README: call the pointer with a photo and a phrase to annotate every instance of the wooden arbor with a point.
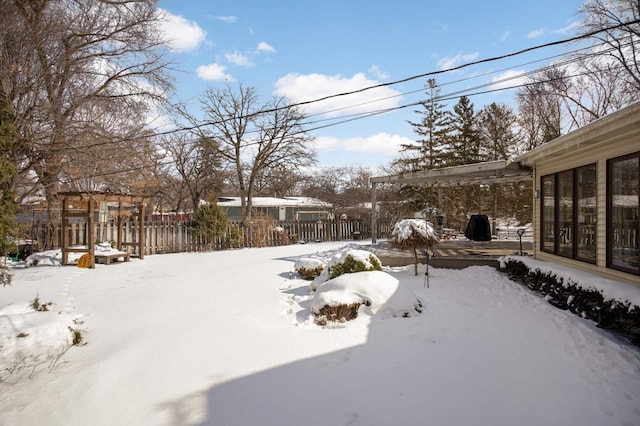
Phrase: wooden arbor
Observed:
(86, 206)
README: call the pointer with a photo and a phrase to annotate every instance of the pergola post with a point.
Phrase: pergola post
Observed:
(141, 206)
(120, 225)
(374, 219)
(91, 237)
(65, 233)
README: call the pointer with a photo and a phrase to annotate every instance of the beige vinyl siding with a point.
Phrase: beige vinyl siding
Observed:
(601, 257)
(598, 154)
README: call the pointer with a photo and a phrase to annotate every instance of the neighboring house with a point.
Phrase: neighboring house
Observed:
(587, 197)
(288, 208)
(362, 211)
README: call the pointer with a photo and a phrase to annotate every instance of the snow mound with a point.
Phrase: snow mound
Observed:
(308, 263)
(29, 338)
(44, 258)
(379, 291)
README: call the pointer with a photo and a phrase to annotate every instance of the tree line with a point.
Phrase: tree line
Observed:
(83, 82)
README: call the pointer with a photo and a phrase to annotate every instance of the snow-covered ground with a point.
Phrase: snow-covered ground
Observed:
(227, 338)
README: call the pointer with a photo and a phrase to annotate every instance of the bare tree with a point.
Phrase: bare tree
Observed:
(539, 111)
(347, 189)
(80, 75)
(279, 181)
(197, 165)
(253, 137)
(622, 35)
(589, 86)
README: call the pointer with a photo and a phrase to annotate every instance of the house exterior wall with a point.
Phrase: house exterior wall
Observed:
(278, 211)
(582, 151)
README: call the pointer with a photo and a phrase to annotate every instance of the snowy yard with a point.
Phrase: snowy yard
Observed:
(227, 338)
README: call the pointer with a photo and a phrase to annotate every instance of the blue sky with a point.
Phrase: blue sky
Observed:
(305, 50)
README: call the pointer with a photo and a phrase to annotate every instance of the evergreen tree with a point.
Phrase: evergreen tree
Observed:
(429, 151)
(466, 139)
(466, 144)
(210, 219)
(496, 123)
(8, 224)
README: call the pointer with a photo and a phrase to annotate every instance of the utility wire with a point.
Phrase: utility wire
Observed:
(414, 77)
(346, 119)
(342, 119)
(459, 67)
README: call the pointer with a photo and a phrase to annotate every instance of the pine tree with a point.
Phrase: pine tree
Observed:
(430, 149)
(466, 140)
(497, 123)
(8, 224)
(466, 143)
(210, 219)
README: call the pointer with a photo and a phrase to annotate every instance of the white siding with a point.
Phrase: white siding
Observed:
(582, 154)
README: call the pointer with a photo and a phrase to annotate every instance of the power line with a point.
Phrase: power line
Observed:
(343, 119)
(395, 82)
(354, 117)
(459, 67)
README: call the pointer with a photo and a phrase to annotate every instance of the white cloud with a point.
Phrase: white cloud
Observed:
(238, 59)
(505, 36)
(300, 88)
(225, 19)
(214, 72)
(454, 61)
(375, 71)
(568, 29)
(509, 78)
(381, 143)
(179, 33)
(327, 143)
(536, 33)
(265, 47)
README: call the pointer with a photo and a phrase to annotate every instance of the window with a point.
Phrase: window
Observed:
(565, 213)
(623, 199)
(548, 213)
(568, 211)
(586, 211)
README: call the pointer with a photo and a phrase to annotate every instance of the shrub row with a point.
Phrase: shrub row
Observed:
(618, 316)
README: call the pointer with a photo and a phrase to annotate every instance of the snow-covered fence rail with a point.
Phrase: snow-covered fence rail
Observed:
(179, 236)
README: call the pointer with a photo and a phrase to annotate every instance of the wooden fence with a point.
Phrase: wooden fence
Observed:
(180, 236)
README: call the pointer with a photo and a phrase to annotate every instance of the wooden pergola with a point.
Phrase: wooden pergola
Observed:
(85, 205)
(500, 171)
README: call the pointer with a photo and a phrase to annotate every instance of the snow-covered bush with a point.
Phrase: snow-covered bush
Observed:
(309, 268)
(619, 316)
(5, 273)
(341, 298)
(347, 262)
(413, 234)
